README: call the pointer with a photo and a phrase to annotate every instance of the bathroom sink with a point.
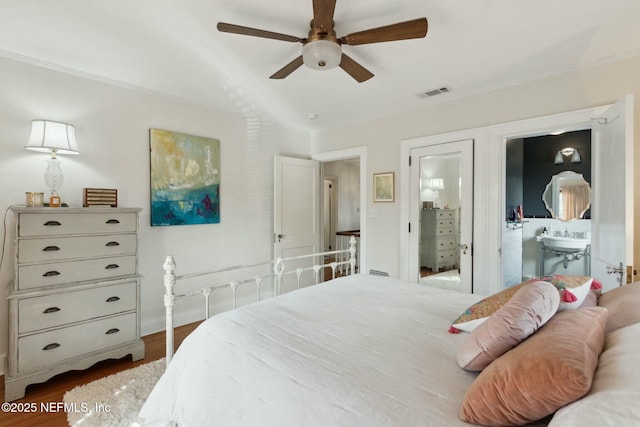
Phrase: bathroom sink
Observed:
(569, 244)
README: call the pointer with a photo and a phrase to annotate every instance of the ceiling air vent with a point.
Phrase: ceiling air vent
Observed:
(434, 92)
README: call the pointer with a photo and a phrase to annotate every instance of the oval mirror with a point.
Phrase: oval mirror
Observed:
(567, 196)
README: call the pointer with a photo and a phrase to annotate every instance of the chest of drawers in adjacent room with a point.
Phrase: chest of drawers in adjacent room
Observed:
(75, 298)
(437, 238)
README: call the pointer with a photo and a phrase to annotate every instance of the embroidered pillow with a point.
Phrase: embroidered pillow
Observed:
(573, 290)
(530, 308)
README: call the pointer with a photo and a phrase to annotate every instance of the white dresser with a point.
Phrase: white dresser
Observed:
(75, 298)
(437, 238)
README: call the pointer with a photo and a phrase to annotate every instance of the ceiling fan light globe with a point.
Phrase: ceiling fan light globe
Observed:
(321, 54)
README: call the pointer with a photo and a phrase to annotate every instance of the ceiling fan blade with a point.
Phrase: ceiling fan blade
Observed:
(414, 29)
(287, 69)
(355, 70)
(247, 31)
(323, 14)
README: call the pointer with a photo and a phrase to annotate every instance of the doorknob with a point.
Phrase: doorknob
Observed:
(279, 237)
(616, 270)
(464, 247)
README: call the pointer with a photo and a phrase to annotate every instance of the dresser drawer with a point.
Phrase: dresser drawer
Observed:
(56, 224)
(442, 232)
(444, 223)
(446, 258)
(445, 244)
(57, 273)
(59, 248)
(50, 311)
(445, 214)
(48, 348)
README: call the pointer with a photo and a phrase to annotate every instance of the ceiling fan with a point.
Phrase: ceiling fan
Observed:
(321, 49)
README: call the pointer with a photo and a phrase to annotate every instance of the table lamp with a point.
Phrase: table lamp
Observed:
(56, 138)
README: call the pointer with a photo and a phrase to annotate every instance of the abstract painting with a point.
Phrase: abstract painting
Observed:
(185, 178)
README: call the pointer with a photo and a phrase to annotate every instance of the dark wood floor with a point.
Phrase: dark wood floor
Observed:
(53, 390)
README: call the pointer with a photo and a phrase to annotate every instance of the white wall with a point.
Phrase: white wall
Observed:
(571, 91)
(112, 126)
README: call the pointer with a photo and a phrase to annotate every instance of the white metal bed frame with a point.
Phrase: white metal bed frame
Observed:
(279, 269)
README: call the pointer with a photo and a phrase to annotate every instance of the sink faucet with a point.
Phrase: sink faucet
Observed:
(566, 232)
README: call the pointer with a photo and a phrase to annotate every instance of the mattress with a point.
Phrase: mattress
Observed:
(359, 350)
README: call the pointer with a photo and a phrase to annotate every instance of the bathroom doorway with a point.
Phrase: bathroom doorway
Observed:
(534, 167)
(611, 249)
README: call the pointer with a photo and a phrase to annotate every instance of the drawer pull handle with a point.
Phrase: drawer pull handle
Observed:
(112, 244)
(52, 223)
(51, 346)
(112, 331)
(51, 310)
(113, 299)
(51, 273)
(112, 266)
(50, 249)
(112, 221)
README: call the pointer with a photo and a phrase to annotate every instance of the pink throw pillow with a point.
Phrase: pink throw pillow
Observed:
(529, 308)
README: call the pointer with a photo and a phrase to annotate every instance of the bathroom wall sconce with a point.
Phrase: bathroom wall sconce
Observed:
(55, 138)
(569, 151)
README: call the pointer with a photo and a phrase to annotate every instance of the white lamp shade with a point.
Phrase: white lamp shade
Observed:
(575, 157)
(48, 136)
(437, 184)
(558, 160)
(321, 54)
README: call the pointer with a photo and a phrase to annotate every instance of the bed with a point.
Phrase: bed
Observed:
(360, 350)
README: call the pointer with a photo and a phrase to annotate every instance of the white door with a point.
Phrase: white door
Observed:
(296, 208)
(452, 163)
(612, 210)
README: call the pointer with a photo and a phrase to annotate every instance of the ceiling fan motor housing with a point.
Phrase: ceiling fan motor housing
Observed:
(321, 54)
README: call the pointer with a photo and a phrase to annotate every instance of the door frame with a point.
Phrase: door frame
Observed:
(464, 150)
(346, 154)
(333, 212)
(500, 134)
(405, 187)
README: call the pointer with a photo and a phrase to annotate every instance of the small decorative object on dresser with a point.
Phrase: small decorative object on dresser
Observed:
(75, 297)
(437, 238)
(100, 197)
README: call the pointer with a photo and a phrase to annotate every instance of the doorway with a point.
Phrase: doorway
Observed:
(348, 169)
(611, 256)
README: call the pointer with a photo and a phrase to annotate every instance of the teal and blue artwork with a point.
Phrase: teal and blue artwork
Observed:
(185, 179)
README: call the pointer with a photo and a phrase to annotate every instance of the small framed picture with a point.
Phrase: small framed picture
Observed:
(383, 187)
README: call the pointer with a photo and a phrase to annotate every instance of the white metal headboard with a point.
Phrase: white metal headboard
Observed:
(345, 258)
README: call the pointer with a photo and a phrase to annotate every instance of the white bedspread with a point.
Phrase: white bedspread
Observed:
(358, 351)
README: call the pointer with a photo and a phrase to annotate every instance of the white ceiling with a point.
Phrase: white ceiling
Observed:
(172, 47)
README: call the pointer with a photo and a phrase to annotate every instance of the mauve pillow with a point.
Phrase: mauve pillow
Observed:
(614, 394)
(552, 368)
(529, 308)
(623, 303)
